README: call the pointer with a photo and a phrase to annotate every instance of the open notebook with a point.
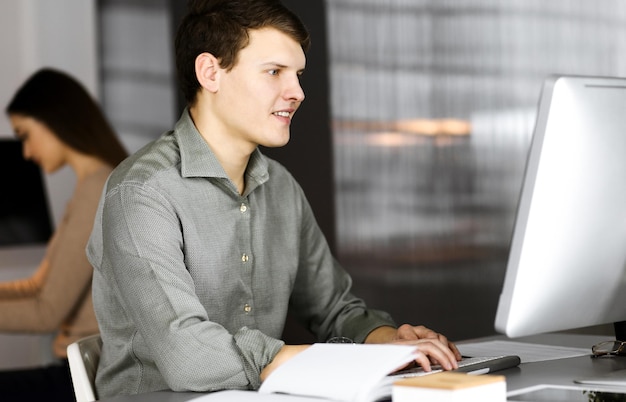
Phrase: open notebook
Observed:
(358, 373)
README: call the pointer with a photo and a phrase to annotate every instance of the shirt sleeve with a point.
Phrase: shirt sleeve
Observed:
(144, 260)
(322, 298)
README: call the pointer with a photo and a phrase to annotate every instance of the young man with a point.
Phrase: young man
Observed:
(201, 243)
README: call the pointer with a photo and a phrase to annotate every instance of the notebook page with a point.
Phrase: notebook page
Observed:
(345, 372)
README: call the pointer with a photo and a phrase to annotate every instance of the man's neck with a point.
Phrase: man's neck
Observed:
(232, 153)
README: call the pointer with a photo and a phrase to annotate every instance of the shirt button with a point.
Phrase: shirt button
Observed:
(243, 208)
(244, 258)
(247, 308)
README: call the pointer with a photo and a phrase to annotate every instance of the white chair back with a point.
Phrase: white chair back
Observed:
(83, 356)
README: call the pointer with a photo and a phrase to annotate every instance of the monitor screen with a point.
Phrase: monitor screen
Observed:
(25, 217)
(566, 267)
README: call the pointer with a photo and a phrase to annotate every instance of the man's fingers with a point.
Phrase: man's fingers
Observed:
(423, 360)
(433, 346)
(432, 350)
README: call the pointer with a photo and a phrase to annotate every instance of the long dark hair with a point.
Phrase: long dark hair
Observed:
(61, 103)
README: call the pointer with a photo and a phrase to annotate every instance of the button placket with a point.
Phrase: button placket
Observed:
(244, 209)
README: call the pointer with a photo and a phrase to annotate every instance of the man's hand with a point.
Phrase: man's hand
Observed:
(432, 347)
(285, 353)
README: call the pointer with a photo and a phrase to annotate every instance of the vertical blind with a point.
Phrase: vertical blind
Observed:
(433, 105)
(136, 68)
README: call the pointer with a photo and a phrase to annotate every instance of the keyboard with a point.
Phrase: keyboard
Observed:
(469, 365)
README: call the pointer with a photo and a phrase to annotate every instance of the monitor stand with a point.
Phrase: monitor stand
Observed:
(620, 330)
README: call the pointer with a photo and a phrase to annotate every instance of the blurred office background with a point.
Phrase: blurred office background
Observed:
(433, 106)
(429, 105)
(413, 139)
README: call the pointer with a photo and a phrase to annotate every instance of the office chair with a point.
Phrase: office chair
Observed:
(83, 356)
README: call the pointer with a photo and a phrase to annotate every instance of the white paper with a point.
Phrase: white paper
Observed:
(344, 372)
(613, 378)
(528, 352)
(251, 396)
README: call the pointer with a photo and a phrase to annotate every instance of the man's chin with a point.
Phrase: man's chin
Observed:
(277, 143)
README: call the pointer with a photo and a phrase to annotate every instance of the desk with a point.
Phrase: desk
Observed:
(23, 350)
(563, 371)
(554, 372)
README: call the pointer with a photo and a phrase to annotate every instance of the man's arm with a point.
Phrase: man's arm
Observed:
(285, 353)
(431, 346)
(145, 265)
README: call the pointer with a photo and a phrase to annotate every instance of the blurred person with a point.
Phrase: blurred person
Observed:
(201, 243)
(59, 124)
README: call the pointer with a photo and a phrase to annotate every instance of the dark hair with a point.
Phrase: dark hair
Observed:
(220, 27)
(62, 104)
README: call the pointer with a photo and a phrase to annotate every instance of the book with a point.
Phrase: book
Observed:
(233, 395)
(340, 372)
(450, 387)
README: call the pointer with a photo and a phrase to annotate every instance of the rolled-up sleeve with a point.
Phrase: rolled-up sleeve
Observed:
(322, 297)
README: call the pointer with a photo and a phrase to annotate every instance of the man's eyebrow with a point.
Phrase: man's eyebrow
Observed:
(278, 65)
(273, 64)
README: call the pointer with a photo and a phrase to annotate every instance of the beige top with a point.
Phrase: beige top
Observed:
(57, 298)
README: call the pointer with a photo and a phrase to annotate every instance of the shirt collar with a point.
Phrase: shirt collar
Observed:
(198, 160)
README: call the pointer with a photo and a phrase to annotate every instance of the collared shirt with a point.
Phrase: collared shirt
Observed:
(193, 280)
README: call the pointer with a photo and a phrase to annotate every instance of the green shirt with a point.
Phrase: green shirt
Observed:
(192, 281)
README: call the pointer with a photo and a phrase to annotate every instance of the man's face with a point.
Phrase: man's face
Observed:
(259, 96)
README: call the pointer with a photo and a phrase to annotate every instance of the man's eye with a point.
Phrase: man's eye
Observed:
(273, 72)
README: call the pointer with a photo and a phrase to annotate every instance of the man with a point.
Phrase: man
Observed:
(201, 243)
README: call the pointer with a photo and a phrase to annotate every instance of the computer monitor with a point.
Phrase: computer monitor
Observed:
(25, 217)
(567, 263)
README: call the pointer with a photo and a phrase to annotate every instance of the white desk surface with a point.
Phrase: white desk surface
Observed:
(554, 372)
(20, 261)
(21, 350)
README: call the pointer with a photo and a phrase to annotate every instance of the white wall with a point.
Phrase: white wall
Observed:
(33, 34)
(37, 33)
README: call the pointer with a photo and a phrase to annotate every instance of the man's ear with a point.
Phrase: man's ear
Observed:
(207, 71)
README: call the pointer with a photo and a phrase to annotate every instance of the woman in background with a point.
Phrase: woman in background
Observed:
(58, 124)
